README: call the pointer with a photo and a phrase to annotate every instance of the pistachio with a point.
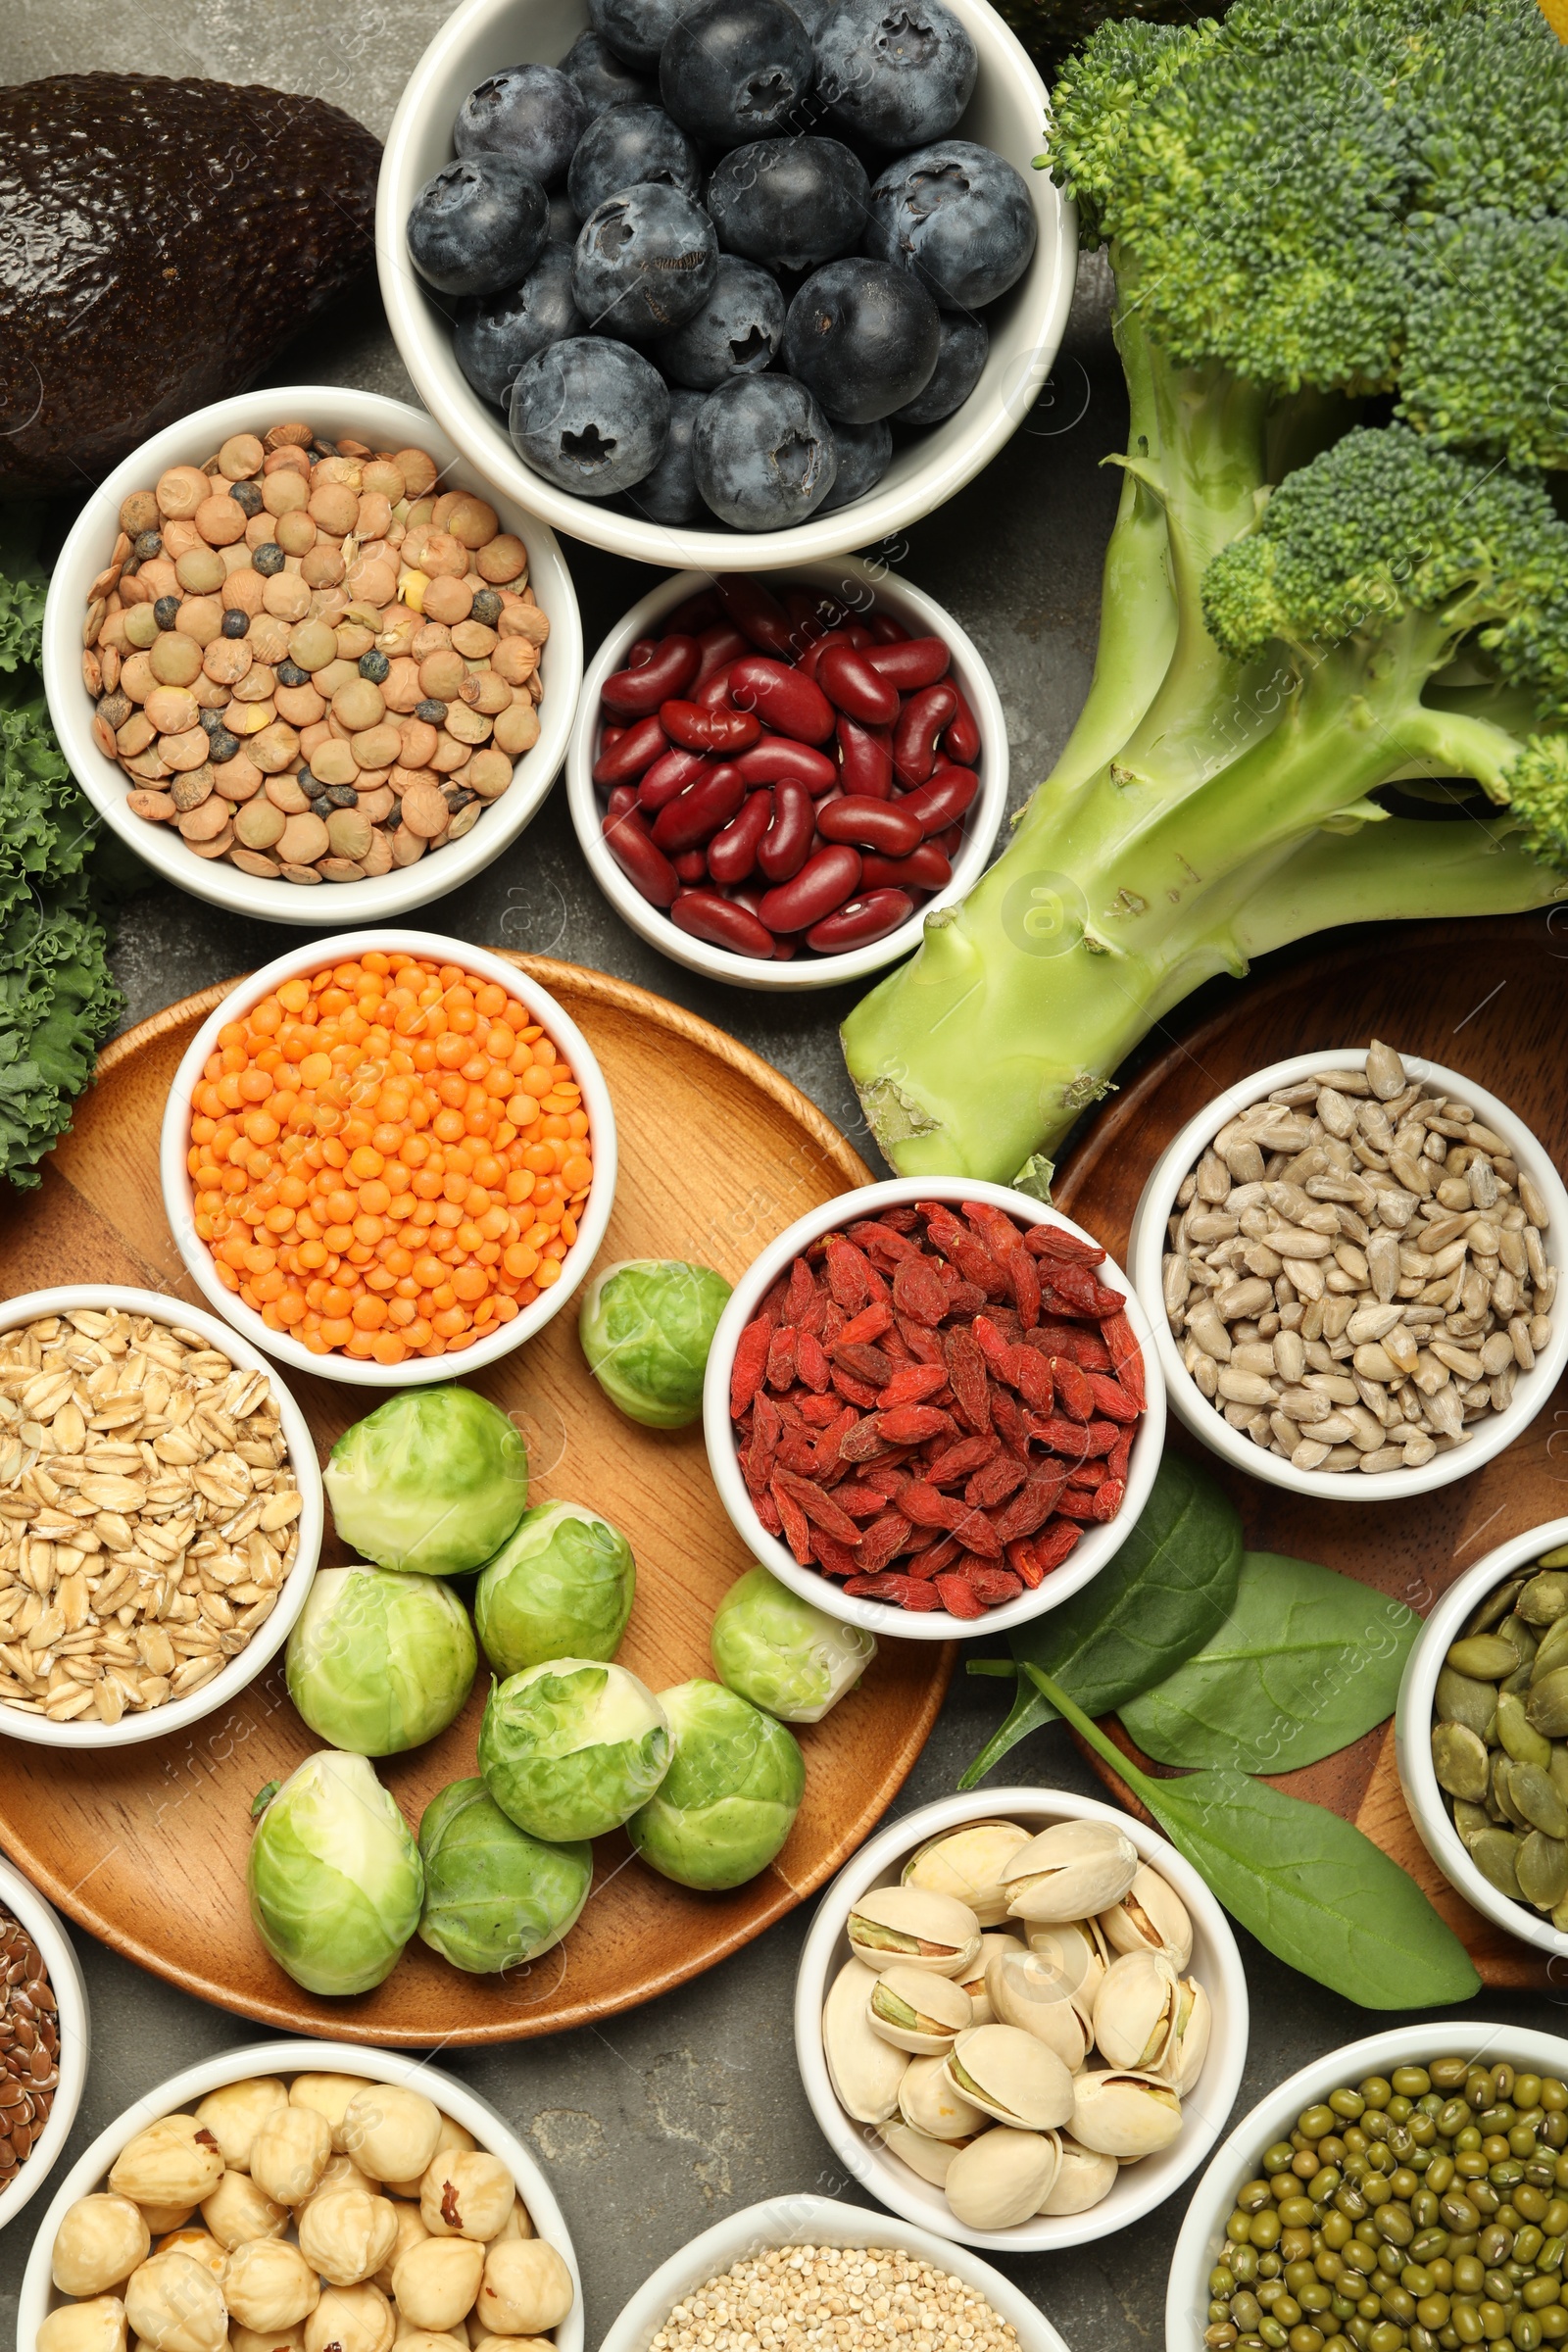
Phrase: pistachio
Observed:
(908, 1924)
(913, 2009)
(1002, 2177)
(1187, 2046)
(928, 2103)
(1008, 2074)
(1124, 2112)
(1084, 2178)
(1460, 1761)
(1028, 1991)
(1078, 1947)
(865, 2069)
(973, 1979)
(931, 2159)
(967, 1864)
(1541, 1869)
(1072, 1869)
(1135, 2010)
(1150, 1917)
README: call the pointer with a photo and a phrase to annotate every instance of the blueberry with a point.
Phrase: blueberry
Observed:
(533, 114)
(737, 331)
(959, 217)
(148, 545)
(602, 77)
(737, 70)
(166, 610)
(235, 624)
(560, 221)
(670, 494)
(478, 225)
(635, 30)
(865, 451)
(268, 559)
(965, 342)
(289, 673)
(627, 146)
(493, 336)
(864, 335)
(374, 666)
(247, 497)
(590, 416)
(791, 202)
(221, 746)
(646, 260)
(898, 73)
(763, 452)
(433, 713)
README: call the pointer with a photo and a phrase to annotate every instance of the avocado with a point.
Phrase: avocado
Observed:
(165, 238)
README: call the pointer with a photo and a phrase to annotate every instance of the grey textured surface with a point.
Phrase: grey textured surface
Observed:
(657, 2123)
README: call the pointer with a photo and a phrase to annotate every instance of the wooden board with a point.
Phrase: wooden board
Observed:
(1486, 999)
(147, 1848)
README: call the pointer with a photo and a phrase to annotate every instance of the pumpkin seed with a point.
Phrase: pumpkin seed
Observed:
(1547, 1703)
(1541, 1869)
(1538, 1801)
(1552, 1651)
(1544, 1599)
(1496, 1854)
(1503, 1790)
(1486, 1658)
(1525, 1745)
(1459, 1759)
(1460, 1698)
(1497, 1605)
(1470, 1820)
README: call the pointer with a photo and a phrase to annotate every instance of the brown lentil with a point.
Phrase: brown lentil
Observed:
(850, 2298)
(30, 2046)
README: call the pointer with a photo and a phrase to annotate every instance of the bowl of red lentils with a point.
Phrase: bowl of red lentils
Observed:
(305, 664)
(388, 1157)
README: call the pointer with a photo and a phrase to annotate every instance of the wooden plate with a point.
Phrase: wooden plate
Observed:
(147, 1848)
(1484, 998)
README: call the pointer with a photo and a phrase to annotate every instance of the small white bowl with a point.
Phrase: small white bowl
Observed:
(157, 1723)
(1146, 1252)
(1139, 2188)
(1413, 1737)
(860, 585)
(805, 2220)
(179, 1197)
(388, 423)
(1006, 113)
(1213, 2201)
(40, 2296)
(1093, 1547)
(20, 1897)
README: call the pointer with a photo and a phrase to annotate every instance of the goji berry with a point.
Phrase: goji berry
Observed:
(1034, 1382)
(801, 1294)
(903, 1590)
(834, 1560)
(1078, 1503)
(1024, 1276)
(997, 1350)
(1031, 1507)
(793, 1521)
(966, 1371)
(994, 1483)
(1049, 1241)
(882, 1243)
(976, 1533)
(882, 1540)
(1110, 1397)
(781, 1359)
(861, 1329)
(854, 1392)
(958, 1596)
(1013, 1424)
(1086, 1348)
(863, 1442)
(1127, 1358)
(923, 1344)
(817, 1411)
(911, 1423)
(863, 1362)
(918, 1292)
(811, 1361)
(1052, 1548)
(956, 1461)
(767, 1512)
(1075, 1287)
(796, 1452)
(1109, 1498)
(923, 1506)
(1074, 1394)
(886, 1480)
(751, 1363)
(992, 1586)
(1021, 1559)
(915, 1383)
(1074, 1441)
(1120, 1454)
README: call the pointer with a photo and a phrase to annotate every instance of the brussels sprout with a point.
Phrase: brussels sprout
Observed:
(559, 1586)
(730, 1797)
(335, 1877)
(646, 1327)
(434, 1479)
(784, 1655)
(379, 1662)
(570, 1748)
(493, 1895)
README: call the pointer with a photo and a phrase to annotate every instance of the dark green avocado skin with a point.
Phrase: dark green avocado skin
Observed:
(158, 241)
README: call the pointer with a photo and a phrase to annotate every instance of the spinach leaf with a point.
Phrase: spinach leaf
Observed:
(1306, 1661)
(1312, 1889)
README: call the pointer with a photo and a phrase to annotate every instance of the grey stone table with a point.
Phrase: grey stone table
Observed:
(657, 2123)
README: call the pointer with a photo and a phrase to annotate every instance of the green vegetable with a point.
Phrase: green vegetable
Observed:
(646, 1328)
(434, 1480)
(494, 1896)
(1309, 1885)
(1306, 1661)
(570, 1748)
(1321, 634)
(560, 1586)
(1163, 1597)
(730, 1797)
(783, 1655)
(334, 1876)
(379, 1662)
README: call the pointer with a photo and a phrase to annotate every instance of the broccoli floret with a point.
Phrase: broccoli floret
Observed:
(1538, 793)
(1484, 365)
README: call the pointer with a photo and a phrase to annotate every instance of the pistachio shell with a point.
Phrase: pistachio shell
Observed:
(1084, 2177)
(1541, 1869)
(865, 2069)
(1073, 1869)
(894, 1924)
(1496, 1854)
(931, 2159)
(916, 2010)
(1187, 2046)
(1002, 2177)
(1009, 2074)
(967, 1864)
(929, 2104)
(1460, 1761)
(1547, 1703)
(1150, 1917)
(1026, 1991)
(1459, 1698)
(1544, 1598)
(1135, 2010)
(1078, 1947)
(1124, 2112)
(974, 1979)
(1515, 1734)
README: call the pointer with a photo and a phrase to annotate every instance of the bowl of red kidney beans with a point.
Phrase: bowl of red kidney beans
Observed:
(932, 1407)
(775, 781)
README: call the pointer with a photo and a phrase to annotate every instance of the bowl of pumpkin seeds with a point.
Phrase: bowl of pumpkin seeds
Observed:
(1481, 1736)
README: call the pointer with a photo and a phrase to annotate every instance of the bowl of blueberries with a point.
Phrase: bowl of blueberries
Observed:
(725, 282)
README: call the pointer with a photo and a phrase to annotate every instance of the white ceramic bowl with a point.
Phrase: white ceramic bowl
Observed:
(858, 584)
(1146, 1250)
(810, 2221)
(1413, 1737)
(420, 1371)
(157, 1723)
(385, 423)
(1139, 2188)
(1213, 2201)
(1006, 113)
(39, 2296)
(1093, 1547)
(20, 1897)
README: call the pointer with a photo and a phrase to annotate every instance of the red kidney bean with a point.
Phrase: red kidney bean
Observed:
(609, 737)
(806, 616)
(915, 737)
(634, 850)
(824, 882)
(808, 661)
(640, 650)
(639, 689)
(723, 923)
(866, 760)
(794, 705)
(732, 854)
(787, 843)
(703, 730)
(881, 825)
(670, 774)
(631, 752)
(849, 681)
(750, 607)
(950, 840)
(719, 647)
(694, 815)
(713, 692)
(960, 741)
(912, 661)
(622, 798)
(859, 635)
(691, 866)
(926, 869)
(697, 613)
(776, 759)
(947, 796)
(860, 922)
(885, 630)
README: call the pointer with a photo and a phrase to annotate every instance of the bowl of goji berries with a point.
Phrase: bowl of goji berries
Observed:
(932, 1403)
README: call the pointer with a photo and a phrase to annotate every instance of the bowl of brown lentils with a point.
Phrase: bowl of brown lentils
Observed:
(43, 2039)
(305, 664)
